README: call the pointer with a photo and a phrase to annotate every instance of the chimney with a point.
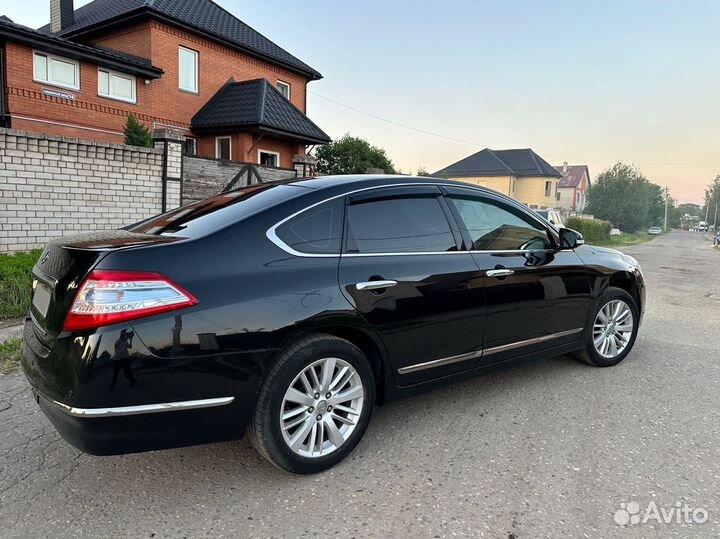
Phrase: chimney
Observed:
(565, 167)
(61, 15)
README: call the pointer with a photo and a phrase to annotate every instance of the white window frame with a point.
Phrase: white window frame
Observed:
(118, 74)
(287, 85)
(196, 54)
(50, 82)
(217, 149)
(276, 154)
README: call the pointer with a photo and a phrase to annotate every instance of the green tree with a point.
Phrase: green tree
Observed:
(351, 155)
(656, 205)
(136, 134)
(712, 199)
(623, 196)
(422, 171)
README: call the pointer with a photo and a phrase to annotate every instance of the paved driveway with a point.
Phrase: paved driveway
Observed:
(547, 450)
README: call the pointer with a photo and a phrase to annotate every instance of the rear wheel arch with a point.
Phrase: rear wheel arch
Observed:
(361, 338)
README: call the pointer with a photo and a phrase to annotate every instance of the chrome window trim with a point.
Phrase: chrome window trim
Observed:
(489, 351)
(140, 409)
(271, 232)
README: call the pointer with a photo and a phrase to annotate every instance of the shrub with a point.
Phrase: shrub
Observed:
(591, 229)
(136, 134)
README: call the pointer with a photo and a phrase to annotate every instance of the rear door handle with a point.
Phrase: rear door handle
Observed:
(499, 272)
(375, 285)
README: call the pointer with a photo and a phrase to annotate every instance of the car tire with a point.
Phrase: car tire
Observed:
(323, 447)
(592, 353)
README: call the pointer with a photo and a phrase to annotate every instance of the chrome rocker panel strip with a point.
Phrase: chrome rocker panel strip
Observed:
(140, 409)
(439, 362)
(481, 353)
(528, 342)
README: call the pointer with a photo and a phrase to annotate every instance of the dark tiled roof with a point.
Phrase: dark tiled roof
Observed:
(573, 176)
(487, 162)
(101, 55)
(5, 18)
(256, 105)
(203, 15)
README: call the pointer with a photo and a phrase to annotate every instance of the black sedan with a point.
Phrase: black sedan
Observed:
(291, 308)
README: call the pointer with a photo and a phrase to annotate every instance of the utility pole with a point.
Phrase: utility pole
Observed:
(666, 207)
(715, 222)
(707, 210)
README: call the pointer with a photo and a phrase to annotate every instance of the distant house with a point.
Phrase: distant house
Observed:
(521, 174)
(573, 186)
(186, 64)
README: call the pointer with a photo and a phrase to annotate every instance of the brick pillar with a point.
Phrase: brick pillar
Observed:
(171, 142)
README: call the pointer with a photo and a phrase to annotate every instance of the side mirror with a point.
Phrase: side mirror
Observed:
(569, 238)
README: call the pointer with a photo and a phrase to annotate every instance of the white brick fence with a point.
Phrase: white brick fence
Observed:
(53, 186)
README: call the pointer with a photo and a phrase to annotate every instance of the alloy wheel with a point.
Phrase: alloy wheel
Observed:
(613, 328)
(322, 407)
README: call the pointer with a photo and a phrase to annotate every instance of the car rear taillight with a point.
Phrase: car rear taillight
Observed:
(109, 297)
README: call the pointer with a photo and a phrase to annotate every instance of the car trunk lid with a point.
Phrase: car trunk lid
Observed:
(61, 269)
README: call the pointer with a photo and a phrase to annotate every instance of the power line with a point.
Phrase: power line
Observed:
(405, 126)
(472, 143)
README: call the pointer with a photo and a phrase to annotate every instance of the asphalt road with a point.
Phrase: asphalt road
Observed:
(547, 450)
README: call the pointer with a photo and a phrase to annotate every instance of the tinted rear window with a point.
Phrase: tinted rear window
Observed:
(214, 213)
(398, 225)
(315, 231)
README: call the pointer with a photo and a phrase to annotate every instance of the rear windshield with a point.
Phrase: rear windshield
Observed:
(214, 213)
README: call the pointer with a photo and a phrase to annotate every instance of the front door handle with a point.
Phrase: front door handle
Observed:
(501, 272)
(375, 285)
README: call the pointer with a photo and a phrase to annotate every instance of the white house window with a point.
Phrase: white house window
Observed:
(56, 70)
(188, 69)
(116, 85)
(268, 158)
(223, 148)
(284, 88)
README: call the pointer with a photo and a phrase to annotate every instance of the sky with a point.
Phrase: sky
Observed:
(431, 82)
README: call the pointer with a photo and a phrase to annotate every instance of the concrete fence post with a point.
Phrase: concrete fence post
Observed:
(304, 166)
(171, 142)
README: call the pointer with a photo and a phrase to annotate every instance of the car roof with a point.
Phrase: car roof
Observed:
(358, 181)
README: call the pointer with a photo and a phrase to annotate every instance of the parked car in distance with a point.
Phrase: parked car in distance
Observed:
(654, 230)
(292, 308)
(552, 216)
(702, 226)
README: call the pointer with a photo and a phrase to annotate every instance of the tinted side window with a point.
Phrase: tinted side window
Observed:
(315, 231)
(398, 225)
(493, 227)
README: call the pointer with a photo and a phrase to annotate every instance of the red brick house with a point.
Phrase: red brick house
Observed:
(187, 64)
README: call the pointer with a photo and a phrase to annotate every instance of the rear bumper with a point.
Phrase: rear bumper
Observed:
(105, 405)
(114, 431)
